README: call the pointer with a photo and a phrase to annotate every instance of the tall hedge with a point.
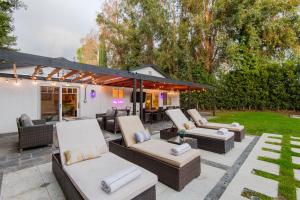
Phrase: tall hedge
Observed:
(272, 87)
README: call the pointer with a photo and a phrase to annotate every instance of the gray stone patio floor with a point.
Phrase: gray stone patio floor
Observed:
(28, 175)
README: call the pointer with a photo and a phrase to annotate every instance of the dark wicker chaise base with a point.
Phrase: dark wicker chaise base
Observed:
(172, 176)
(212, 144)
(239, 135)
(71, 193)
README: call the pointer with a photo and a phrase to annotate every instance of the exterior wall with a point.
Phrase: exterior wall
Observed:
(25, 98)
(149, 71)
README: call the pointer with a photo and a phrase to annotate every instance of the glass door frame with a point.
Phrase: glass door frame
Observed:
(77, 100)
(60, 87)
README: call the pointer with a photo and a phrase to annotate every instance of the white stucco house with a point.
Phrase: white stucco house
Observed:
(55, 88)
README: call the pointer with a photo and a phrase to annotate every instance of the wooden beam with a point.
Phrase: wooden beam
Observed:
(115, 80)
(71, 73)
(15, 70)
(36, 71)
(82, 76)
(103, 78)
(55, 71)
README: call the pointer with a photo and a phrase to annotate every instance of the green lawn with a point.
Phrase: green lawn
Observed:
(257, 123)
(269, 122)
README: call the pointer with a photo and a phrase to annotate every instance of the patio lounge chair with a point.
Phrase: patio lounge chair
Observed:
(37, 134)
(82, 180)
(207, 139)
(239, 131)
(154, 155)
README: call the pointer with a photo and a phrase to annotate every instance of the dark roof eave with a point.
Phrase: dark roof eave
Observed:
(24, 60)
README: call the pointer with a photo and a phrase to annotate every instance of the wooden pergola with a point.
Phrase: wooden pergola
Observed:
(90, 74)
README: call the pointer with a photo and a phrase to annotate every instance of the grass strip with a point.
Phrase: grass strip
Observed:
(265, 174)
(247, 193)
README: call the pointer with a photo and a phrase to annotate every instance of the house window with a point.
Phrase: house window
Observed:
(167, 99)
(117, 93)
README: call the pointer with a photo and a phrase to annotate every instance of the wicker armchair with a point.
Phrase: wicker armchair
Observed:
(33, 136)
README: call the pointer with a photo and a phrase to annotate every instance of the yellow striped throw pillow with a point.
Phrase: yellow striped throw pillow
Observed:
(83, 153)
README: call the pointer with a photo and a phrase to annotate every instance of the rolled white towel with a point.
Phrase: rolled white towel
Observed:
(222, 131)
(119, 179)
(180, 149)
(235, 124)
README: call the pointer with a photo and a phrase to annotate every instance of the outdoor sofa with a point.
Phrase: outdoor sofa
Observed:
(154, 155)
(33, 133)
(207, 139)
(239, 131)
(82, 180)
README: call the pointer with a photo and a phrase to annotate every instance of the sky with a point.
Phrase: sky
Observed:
(54, 28)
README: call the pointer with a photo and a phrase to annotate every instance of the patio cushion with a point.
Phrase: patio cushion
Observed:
(196, 117)
(79, 133)
(87, 175)
(83, 153)
(210, 133)
(178, 118)
(25, 121)
(129, 125)
(220, 125)
(162, 150)
(189, 125)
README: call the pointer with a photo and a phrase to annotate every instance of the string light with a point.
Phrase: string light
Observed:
(34, 82)
(17, 82)
(6, 80)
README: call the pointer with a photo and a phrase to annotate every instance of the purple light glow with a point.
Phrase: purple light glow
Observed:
(93, 93)
(117, 101)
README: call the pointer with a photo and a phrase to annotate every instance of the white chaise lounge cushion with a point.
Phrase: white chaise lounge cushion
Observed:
(87, 176)
(162, 151)
(75, 134)
(211, 133)
(196, 117)
(129, 125)
(178, 118)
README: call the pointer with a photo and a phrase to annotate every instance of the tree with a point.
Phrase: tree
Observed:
(89, 51)
(183, 36)
(7, 7)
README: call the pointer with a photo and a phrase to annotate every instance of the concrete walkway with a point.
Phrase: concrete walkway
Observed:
(245, 179)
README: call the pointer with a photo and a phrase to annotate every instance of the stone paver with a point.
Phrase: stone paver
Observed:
(265, 166)
(293, 137)
(296, 160)
(246, 179)
(297, 174)
(295, 143)
(274, 135)
(295, 150)
(273, 140)
(269, 154)
(272, 146)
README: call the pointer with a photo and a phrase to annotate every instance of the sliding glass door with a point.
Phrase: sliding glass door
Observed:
(69, 102)
(50, 103)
